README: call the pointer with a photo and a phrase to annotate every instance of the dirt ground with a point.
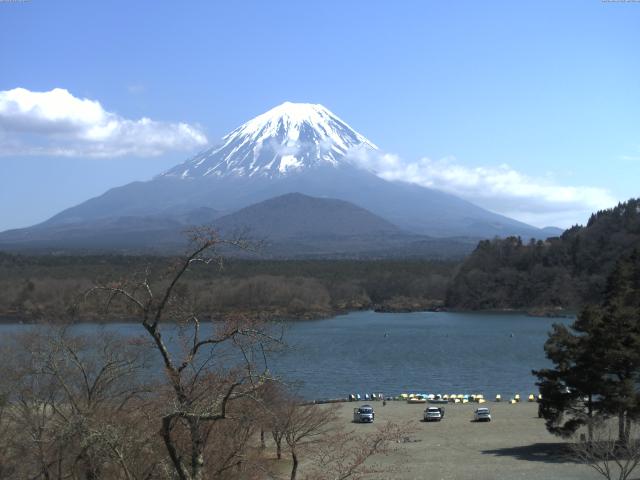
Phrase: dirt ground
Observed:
(515, 444)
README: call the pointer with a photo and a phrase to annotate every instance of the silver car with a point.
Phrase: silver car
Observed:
(482, 414)
(363, 414)
(433, 414)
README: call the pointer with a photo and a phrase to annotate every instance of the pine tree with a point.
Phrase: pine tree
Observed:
(571, 390)
(596, 360)
(619, 342)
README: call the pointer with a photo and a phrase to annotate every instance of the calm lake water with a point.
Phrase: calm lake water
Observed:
(422, 352)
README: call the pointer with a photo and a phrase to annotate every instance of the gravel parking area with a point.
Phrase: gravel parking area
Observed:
(515, 444)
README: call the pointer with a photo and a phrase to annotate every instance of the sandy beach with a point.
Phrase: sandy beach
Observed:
(515, 444)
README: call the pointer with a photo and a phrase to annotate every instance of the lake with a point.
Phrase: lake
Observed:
(425, 352)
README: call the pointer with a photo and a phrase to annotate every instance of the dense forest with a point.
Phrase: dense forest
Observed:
(34, 287)
(563, 272)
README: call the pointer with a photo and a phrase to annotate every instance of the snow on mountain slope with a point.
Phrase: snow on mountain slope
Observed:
(286, 139)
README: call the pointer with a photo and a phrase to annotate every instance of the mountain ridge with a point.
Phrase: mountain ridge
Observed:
(295, 215)
(289, 226)
(301, 148)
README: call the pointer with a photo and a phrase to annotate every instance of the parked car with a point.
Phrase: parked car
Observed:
(363, 414)
(482, 415)
(433, 414)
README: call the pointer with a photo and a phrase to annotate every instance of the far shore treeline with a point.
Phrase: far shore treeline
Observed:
(32, 287)
(541, 277)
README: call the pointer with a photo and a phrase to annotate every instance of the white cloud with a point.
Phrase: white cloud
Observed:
(540, 201)
(57, 123)
(291, 148)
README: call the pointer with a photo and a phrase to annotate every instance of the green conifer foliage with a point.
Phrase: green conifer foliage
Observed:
(596, 371)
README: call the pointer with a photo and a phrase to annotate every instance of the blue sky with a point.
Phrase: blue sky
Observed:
(531, 109)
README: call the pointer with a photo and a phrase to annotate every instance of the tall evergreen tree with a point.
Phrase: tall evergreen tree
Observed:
(570, 391)
(596, 359)
(619, 341)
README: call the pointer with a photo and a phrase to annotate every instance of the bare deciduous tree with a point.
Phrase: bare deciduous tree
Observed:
(314, 434)
(184, 401)
(345, 455)
(72, 407)
(302, 427)
(216, 366)
(607, 454)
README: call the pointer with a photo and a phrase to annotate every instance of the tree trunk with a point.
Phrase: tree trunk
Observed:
(590, 421)
(621, 426)
(171, 449)
(44, 469)
(277, 438)
(197, 451)
(294, 466)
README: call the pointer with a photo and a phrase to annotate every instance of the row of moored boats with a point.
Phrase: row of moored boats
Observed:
(439, 398)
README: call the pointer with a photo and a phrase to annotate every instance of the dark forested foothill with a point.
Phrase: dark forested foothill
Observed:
(563, 272)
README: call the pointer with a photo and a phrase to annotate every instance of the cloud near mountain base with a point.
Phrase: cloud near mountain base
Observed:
(59, 124)
(539, 201)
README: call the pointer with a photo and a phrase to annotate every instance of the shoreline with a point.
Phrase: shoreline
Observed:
(10, 318)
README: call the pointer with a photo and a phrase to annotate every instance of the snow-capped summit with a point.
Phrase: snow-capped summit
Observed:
(286, 139)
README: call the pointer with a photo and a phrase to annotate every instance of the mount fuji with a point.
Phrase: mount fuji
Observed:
(287, 139)
(293, 148)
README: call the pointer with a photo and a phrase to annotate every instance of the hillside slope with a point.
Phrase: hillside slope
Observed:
(563, 272)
